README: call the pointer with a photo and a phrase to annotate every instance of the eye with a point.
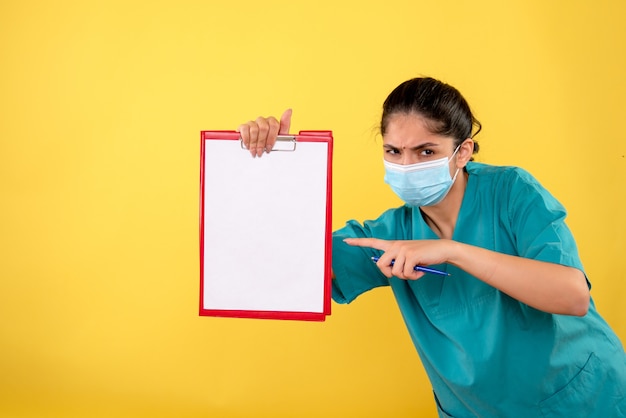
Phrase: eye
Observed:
(392, 151)
(427, 152)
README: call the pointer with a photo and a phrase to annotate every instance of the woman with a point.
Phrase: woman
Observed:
(513, 330)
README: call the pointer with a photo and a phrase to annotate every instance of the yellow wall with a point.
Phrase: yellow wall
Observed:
(101, 104)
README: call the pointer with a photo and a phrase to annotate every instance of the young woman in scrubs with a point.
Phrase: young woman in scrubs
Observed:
(513, 331)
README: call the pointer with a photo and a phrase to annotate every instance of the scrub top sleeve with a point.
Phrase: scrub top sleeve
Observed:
(355, 272)
(538, 226)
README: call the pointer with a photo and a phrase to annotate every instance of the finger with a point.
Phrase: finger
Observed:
(398, 266)
(384, 265)
(274, 126)
(244, 132)
(285, 122)
(258, 147)
(408, 271)
(379, 244)
(401, 268)
(252, 129)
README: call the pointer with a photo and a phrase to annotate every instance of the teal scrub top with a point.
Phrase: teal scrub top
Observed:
(487, 354)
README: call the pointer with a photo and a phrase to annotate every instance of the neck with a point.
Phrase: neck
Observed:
(442, 217)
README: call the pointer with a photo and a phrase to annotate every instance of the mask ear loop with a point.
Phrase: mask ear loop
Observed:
(455, 174)
(457, 169)
(455, 151)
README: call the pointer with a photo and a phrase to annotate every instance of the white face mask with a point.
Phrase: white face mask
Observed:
(421, 184)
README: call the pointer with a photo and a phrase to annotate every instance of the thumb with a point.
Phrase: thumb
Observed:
(285, 122)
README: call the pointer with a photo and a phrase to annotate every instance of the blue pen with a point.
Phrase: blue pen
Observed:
(420, 268)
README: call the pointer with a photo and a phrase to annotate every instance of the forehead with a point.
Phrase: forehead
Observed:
(408, 130)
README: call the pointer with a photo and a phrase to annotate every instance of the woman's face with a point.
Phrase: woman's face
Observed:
(407, 140)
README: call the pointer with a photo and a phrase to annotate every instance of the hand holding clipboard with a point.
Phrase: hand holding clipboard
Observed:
(260, 135)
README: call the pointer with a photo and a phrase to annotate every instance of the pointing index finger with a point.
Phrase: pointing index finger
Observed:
(376, 243)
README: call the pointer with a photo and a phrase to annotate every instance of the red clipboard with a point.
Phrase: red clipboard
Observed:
(265, 227)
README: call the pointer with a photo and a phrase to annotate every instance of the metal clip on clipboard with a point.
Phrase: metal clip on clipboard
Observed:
(289, 141)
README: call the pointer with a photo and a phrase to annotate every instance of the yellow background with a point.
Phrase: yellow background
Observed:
(101, 104)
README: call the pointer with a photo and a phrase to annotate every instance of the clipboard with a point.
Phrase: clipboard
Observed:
(265, 227)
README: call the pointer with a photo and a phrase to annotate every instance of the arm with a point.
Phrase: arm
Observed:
(549, 287)
(545, 286)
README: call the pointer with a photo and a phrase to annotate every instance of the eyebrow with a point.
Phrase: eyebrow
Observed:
(415, 148)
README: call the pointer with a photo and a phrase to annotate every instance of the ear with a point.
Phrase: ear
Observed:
(466, 150)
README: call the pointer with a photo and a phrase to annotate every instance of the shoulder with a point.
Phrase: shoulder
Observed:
(500, 173)
(513, 185)
(503, 179)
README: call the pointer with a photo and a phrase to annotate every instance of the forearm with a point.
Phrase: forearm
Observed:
(545, 286)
